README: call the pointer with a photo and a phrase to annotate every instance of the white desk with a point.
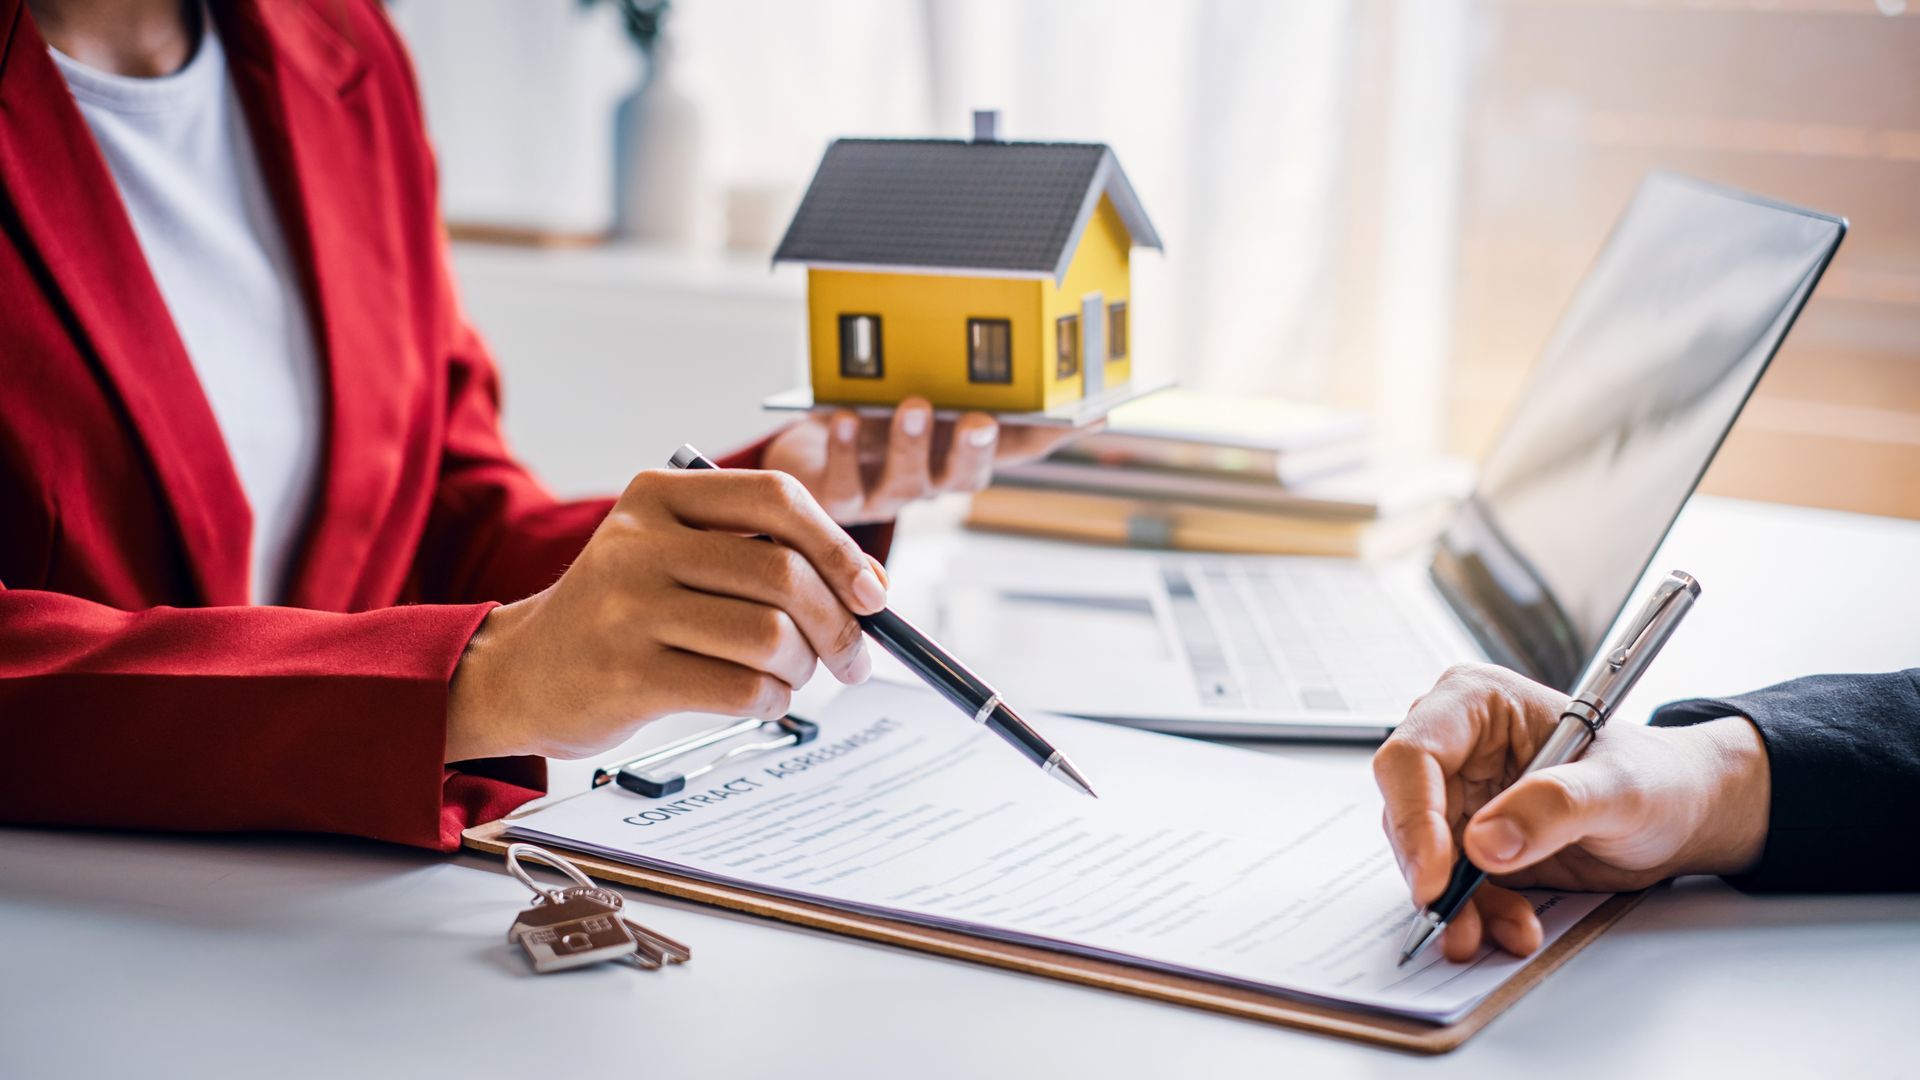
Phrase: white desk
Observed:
(177, 956)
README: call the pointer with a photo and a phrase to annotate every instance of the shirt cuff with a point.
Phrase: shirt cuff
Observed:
(1842, 753)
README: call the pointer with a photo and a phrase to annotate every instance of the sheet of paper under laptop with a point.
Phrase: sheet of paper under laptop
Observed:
(1209, 861)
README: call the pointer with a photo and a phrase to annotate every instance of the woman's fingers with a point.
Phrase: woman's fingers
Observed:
(753, 635)
(841, 491)
(867, 468)
(907, 473)
(710, 685)
(969, 463)
(777, 576)
(750, 502)
(1030, 442)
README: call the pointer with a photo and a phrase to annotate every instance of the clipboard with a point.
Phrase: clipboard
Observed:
(1380, 1029)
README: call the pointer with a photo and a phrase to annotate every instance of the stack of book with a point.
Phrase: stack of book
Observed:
(1199, 472)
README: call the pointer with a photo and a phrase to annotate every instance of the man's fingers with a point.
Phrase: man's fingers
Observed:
(906, 476)
(1415, 790)
(1508, 919)
(1448, 723)
(750, 501)
(779, 577)
(1443, 730)
(1548, 810)
(1468, 728)
(753, 635)
(969, 461)
(1463, 935)
(1500, 914)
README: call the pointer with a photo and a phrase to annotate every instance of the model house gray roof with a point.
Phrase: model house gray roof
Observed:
(1010, 209)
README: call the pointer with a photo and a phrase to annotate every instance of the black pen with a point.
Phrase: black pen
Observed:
(928, 660)
(1586, 713)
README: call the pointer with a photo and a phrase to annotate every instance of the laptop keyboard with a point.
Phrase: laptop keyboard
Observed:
(1318, 637)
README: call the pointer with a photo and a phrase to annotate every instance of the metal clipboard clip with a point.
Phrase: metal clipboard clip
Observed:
(663, 772)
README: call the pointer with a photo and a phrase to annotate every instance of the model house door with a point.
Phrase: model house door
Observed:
(1093, 345)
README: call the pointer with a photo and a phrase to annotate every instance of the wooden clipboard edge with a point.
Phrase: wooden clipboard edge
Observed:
(1382, 1030)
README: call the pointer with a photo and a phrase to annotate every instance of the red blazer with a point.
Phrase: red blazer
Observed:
(137, 688)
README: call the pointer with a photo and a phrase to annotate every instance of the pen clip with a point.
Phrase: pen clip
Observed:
(1668, 593)
(1614, 674)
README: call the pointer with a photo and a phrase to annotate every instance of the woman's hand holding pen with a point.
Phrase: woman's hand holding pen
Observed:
(865, 470)
(1642, 805)
(671, 607)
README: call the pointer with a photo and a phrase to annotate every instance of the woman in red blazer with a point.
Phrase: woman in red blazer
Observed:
(444, 621)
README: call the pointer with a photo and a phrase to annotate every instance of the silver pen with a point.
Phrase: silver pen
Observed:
(1593, 704)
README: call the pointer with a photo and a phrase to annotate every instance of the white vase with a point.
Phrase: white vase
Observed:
(664, 197)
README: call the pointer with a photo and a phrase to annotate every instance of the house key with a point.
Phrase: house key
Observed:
(571, 933)
(582, 923)
(561, 932)
(654, 948)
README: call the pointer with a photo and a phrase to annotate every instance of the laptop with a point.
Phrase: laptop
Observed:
(1665, 338)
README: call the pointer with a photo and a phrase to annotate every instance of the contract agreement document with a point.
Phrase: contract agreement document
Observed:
(1204, 860)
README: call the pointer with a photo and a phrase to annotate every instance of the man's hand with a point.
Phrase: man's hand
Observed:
(865, 470)
(671, 607)
(1641, 805)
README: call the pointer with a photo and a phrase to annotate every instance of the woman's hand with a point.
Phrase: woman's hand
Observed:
(865, 470)
(671, 607)
(1641, 805)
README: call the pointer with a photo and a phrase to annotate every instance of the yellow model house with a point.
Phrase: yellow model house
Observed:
(979, 275)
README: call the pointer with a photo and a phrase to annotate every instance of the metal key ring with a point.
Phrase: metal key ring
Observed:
(516, 852)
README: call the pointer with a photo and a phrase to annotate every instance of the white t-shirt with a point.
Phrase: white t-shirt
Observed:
(182, 156)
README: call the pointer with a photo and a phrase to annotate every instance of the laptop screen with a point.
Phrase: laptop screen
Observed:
(1664, 340)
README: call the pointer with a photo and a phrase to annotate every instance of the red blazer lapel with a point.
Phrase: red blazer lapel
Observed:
(68, 211)
(321, 151)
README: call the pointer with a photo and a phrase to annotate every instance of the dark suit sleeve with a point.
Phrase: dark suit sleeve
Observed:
(1844, 752)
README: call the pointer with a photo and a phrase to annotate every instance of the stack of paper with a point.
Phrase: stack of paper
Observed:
(1207, 861)
(1204, 472)
(1246, 437)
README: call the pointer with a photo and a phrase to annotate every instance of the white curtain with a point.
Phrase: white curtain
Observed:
(1297, 156)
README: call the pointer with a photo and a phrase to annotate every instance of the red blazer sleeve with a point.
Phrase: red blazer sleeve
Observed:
(277, 718)
(494, 532)
(236, 718)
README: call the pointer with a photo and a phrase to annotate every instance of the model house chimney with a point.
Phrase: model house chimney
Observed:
(986, 125)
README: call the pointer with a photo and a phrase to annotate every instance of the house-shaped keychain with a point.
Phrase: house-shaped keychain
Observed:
(978, 274)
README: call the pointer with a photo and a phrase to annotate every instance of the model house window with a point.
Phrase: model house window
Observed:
(989, 351)
(1066, 333)
(860, 346)
(1117, 331)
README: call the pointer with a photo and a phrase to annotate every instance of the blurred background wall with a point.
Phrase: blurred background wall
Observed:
(1381, 203)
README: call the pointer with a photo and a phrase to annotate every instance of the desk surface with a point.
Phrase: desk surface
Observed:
(124, 954)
